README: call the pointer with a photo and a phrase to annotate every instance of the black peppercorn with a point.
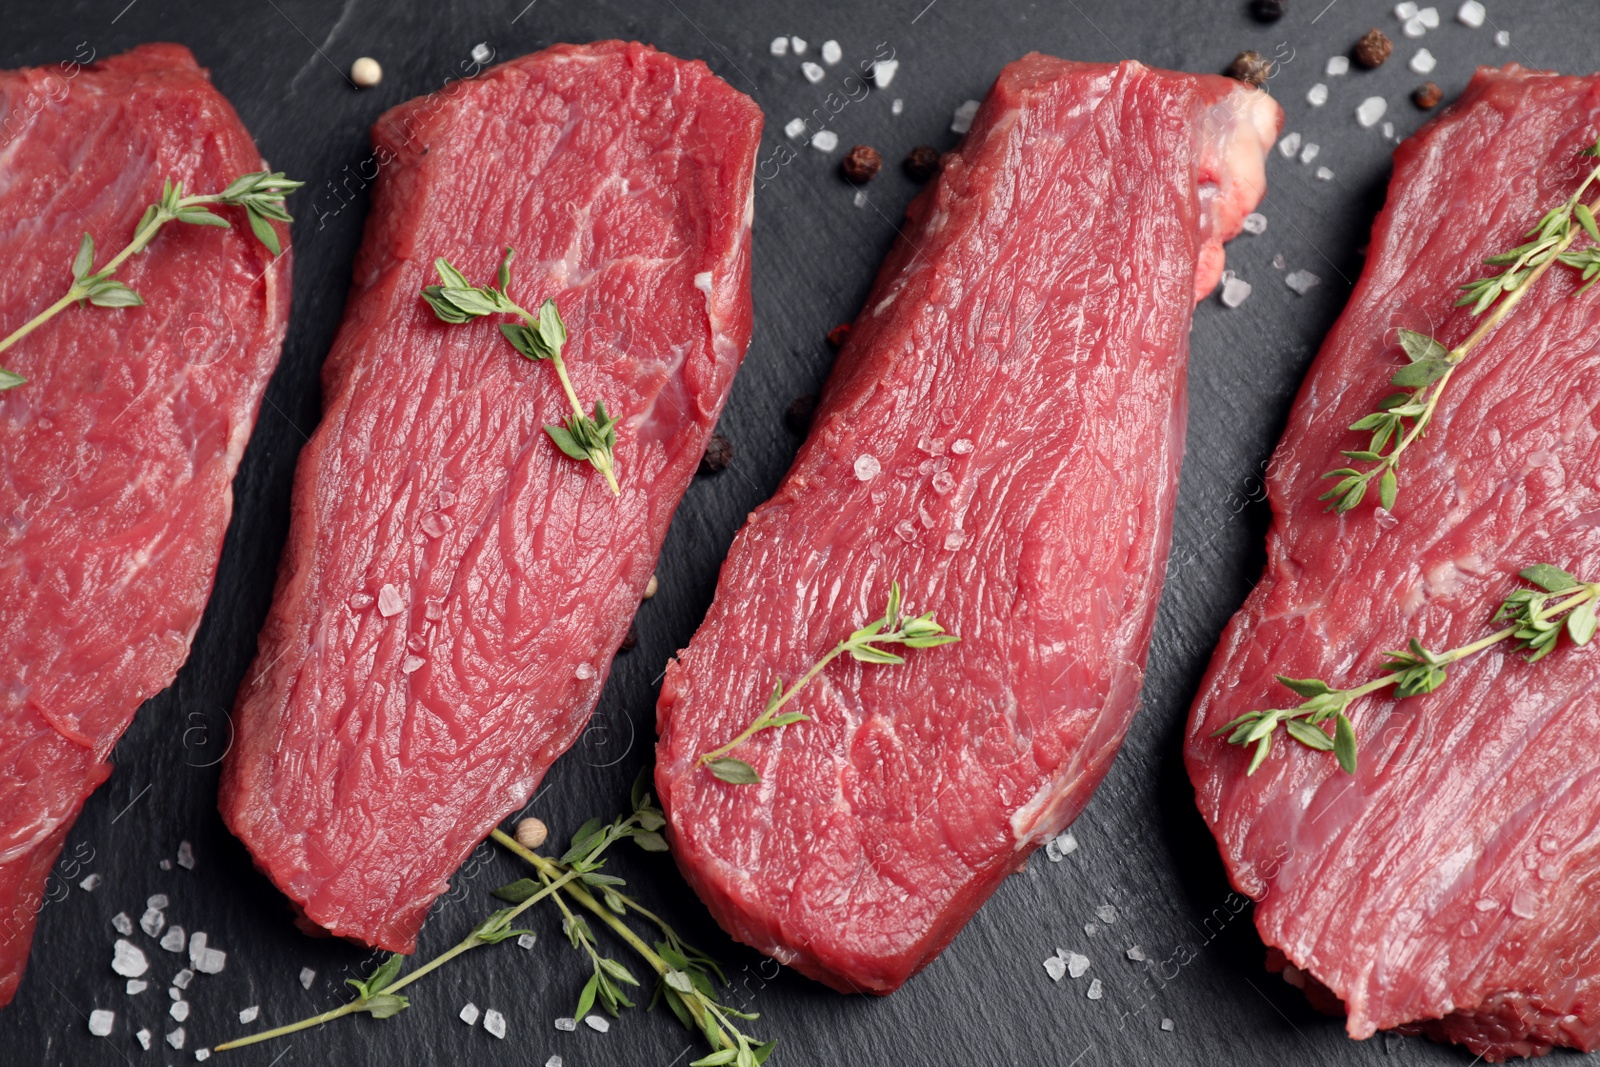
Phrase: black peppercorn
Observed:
(1252, 68)
(1373, 49)
(922, 163)
(719, 453)
(862, 164)
(1268, 10)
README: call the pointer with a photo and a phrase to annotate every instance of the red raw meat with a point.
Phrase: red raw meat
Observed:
(1017, 377)
(374, 753)
(119, 452)
(1452, 881)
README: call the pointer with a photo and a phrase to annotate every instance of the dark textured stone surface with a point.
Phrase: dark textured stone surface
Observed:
(1142, 846)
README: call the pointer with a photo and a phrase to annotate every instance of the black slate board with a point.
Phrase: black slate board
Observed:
(1142, 848)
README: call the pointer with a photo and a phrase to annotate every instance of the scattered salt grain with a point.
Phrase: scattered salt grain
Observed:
(943, 482)
(1338, 65)
(412, 664)
(144, 1039)
(186, 855)
(183, 978)
(584, 672)
(1317, 95)
(1279, 262)
(1371, 110)
(1062, 845)
(867, 467)
(165, 865)
(469, 1014)
(1503, 38)
(597, 1023)
(202, 1054)
(128, 959)
(883, 72)
(175, 993)
(860, 199)
(307, 976)
(211, 961)
(1077, 964)
(779, 46)
(1095, 990)
(897, 107)
(1487, 904)
(961, 446)
(1234, 292)
(1405, 11)
(954, 540)
(1255, 223)
(1388, 130)
(906, 530)
(1414, 27)
(435, 525)
(794, 129)
(179, 1010)
(1090, 929)
(798, 44)
(91, 883)
(831, 52)
(813, 73)
(1324, 174)
(1429, 17)
(360, 601)
(553, 1061)
(1309, 152)
(481, 52)
(136, 986)
(1136, 954)
(433, 611)
(824, 140)
(1302, 281)
(122, 924)
(250, 1014)
(175, 1039)
(1289, 144)
(1524, 903)
(495, 1023)
(389, 602)
(526, 940)
(152, 921)
(961, 121)
(1056, 968)
(1167, 1025)
(1106, 913)
(1423, 62)
(1471, 14)
(567, 1024)
(173, 940)
(100, 1022)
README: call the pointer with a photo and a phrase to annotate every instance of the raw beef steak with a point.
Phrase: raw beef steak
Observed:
(454, 587)
(1453, 880)
(1002, 436)
(117, 456)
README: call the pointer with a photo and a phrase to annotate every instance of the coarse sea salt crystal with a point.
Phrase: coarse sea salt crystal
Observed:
(584, 671)
(186, 855)
(702, 281)
(1405, 11)
(779, 46)
(481, 52)
(813, 73)
(1317, 95)
(495, 1023)
(122, 923)
(553, 1061)
(434, 524)
(307, 976)
(860, 199)
(824, 140)
(212, 961)
(831, 52)
(883, 72)
(1255, 223)
(1090, 929)
(1338, 65)
(567, 1024)
(1077, 964)
(1370, 110)
(250, 1014)
(433, 611)
(1234, 292)
(1106, 913)
(954, 540)
(1414, 27)
(173, 940)
(1503, 38)
(1471, 14)
(1301, 281)
(360, 601)
(202, 1054)
(1289, 144)
(179, 1010)
(144, 1037)
(128, 959)
(1279, 262)
(1429, 17)
(1056, 968)
(597, 1023)
(898, 106)
(469, 1014)
(136, 986)
(183, 978)
(175, 1039)
(1167, 1025)
(389, 602)
(1309, 152)
(867, 467)
(961, 446)
(1324, 174)
(526, 940)
(100, 1022)
(1423, 62)
(91, 883)
(412, 664)
(795, 128)
(961, 121)
(152, 921)
(1095, 990)
(1388, 130)
(943, 482)
(1136, 954)
(175, 993)
(798, 44)
(1060, 847)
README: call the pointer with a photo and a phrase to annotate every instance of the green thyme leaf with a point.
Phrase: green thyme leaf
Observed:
(734, 771)
(1549, 578)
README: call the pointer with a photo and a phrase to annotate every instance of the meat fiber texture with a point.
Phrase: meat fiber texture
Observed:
(1453, 880)
(382, 735)
(1002, 436)
(117, 456)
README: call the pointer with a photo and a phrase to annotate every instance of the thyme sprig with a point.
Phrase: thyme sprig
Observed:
(1402, 418)
(588, 439)
(1537, 617)
(862, 645)
(260, 193)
